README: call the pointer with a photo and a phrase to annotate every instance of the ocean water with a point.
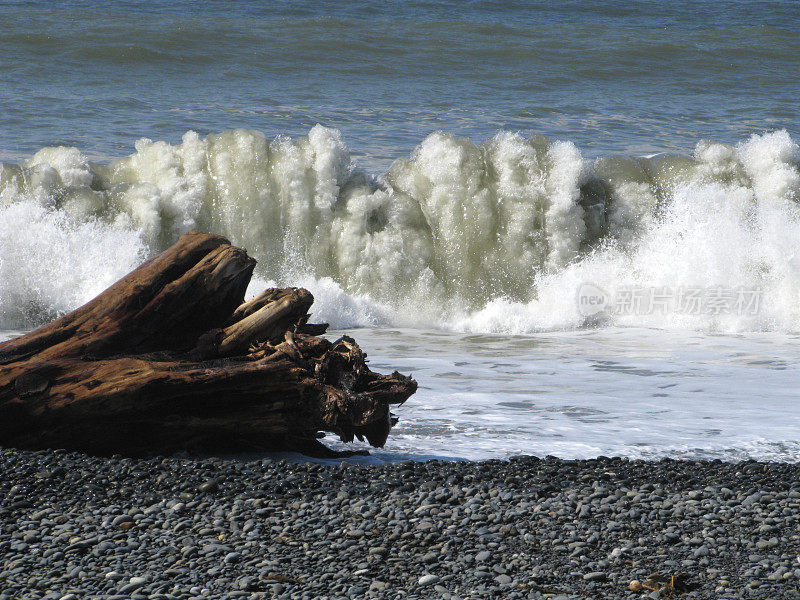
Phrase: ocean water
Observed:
(576, 223)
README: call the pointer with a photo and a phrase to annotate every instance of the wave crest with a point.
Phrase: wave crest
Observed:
(496, 236)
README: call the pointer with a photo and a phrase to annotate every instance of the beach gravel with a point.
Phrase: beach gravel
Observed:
(74, 527)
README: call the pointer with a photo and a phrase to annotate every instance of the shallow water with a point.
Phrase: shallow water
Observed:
(640, 393)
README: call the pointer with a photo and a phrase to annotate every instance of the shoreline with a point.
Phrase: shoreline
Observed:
(76, 527)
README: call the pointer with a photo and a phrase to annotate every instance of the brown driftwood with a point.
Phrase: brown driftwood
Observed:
(169, 358)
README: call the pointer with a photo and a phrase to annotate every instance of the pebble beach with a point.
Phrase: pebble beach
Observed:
(75, 527)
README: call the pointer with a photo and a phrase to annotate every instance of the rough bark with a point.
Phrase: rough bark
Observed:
(170, 358)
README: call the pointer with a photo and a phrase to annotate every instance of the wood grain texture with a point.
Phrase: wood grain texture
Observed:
(170, 358)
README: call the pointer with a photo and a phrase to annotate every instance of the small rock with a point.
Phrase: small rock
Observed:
(483, 556)
(430, 557)
(208, 486)
(428, 580)
(129, 588)
(31, 537)
(377, 585)
(118, 521)
(277, 589)
(356, 533)
(246, 583)
(355, 591)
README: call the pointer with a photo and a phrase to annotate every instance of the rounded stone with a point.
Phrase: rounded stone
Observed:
(428, 580)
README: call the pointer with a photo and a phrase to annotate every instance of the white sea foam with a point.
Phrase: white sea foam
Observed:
(497, 236)
(50, 265)
(616, 391)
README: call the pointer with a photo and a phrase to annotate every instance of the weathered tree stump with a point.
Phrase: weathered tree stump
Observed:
(169, 359)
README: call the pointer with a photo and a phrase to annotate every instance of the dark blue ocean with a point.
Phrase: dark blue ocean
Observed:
(611, 76)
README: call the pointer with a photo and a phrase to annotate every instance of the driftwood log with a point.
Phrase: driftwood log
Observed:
(171, 359)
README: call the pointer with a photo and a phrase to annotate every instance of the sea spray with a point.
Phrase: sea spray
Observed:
(497, 236)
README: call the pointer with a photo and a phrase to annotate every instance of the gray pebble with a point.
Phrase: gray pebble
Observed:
(428, 580)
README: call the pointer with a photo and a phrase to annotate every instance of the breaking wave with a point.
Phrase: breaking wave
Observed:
(497, 236)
